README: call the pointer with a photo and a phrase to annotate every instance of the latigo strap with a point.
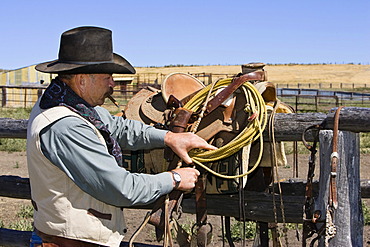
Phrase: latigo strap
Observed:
(230, 89)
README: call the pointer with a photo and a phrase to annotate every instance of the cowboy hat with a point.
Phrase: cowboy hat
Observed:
(87, 50)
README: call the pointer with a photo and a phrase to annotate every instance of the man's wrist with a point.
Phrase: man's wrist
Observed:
(176, 178)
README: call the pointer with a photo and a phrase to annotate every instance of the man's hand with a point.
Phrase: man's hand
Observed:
(189, 176)
(182, 143)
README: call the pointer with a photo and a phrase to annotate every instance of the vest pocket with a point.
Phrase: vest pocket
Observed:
(98, 214)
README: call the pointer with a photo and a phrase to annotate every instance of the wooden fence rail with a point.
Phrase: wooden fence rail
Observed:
(288, 127)
(258, 206)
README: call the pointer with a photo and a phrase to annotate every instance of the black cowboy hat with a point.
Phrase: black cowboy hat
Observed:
(85, 50)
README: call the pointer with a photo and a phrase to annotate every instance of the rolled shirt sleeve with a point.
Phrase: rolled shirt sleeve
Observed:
(72, 145)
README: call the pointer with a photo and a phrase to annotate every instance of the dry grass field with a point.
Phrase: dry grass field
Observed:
(286, 74)
(335, 77)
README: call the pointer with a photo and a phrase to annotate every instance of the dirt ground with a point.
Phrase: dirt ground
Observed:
(15, 164)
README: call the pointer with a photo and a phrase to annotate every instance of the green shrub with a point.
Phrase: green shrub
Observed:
(289, 148)
(16, 113)
(237, 228)
(12, 145)
(365, 143)
(188, 225)
(366, 213)
(21, 225)
(25, 212)
(24, 222)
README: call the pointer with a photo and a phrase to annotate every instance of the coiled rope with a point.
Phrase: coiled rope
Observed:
(257, 122)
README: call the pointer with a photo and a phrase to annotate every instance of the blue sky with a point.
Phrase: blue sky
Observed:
(158, 33)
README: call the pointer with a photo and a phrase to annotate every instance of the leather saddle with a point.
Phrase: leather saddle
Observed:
(153, 106)
(156, 107)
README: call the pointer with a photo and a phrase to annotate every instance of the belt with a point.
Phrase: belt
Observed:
(55, 241)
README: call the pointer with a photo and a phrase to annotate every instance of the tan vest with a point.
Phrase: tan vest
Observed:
(63, 209)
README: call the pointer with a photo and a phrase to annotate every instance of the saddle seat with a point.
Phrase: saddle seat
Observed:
(149, 104)
(180, 85)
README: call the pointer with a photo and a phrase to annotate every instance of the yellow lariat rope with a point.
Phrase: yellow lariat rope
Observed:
(255, 106)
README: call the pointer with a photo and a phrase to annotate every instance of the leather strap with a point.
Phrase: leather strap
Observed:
(333, 201)
(201, 210)
(178, 124)
(181, 117)
(157, 218)
(98, 214)
(230, 89)
(310, 220)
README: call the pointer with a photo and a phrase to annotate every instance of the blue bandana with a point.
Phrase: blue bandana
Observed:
(60, 94)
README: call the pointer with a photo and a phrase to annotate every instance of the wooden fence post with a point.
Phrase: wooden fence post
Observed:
(296, 103)
(348, 217)
(25, 98)
(39, 93)
(3, 101)
(209, 78)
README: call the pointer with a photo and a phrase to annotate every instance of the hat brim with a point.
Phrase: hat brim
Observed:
(119, 65)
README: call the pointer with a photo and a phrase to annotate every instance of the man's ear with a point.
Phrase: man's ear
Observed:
(80, 82)
(80, 79)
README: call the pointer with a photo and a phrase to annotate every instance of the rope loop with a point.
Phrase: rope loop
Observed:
(252, 132)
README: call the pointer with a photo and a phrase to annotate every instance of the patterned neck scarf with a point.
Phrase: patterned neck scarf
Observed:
(60, 94)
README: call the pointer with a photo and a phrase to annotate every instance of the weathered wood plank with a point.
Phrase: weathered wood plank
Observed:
(354, 119)
(13, 238)
(15, 187)
(258, 205)
(288, 127)
(13, 128)
(348, 215)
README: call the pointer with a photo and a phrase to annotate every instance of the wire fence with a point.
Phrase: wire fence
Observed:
(331, 86)
(314, 100)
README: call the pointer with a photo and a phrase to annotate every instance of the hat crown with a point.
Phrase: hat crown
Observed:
(87, 50)
(86, 45)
